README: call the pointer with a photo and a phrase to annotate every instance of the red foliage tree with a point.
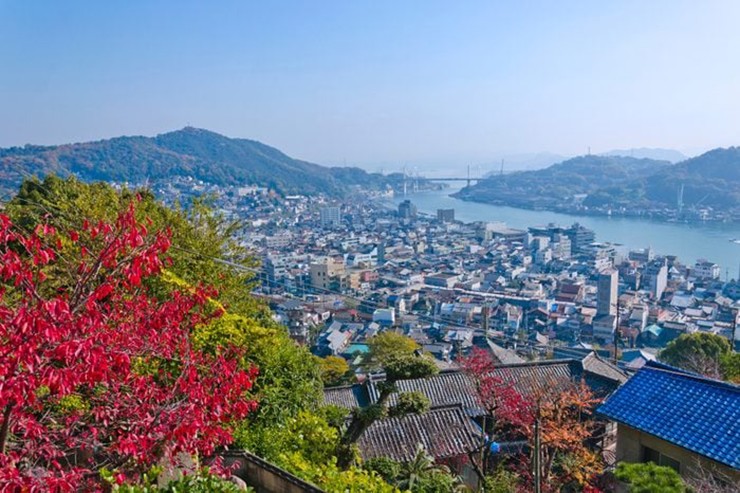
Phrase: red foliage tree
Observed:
(562, 409)
(97, 372)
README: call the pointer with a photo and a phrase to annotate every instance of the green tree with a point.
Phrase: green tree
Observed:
(204, 251)
(421, 474)
(649, 478)
(204, 246)
(704, 353)
(410, 403)
(390, 345)
(334, 370)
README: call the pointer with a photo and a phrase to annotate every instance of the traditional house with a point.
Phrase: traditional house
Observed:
(678, 419)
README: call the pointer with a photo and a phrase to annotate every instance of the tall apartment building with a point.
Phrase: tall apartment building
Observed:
(446, 215)
(330, 217)
(656, 277)
(607, 292)
(407, 210)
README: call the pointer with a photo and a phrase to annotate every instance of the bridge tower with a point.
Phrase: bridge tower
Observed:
(468, 175)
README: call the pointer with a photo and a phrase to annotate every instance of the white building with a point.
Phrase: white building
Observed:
(704, 269)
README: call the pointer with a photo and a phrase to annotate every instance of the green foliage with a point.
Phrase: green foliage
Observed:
(386, 468)
(200, 236)
(502, 481)
(306, 434)
(729, 365)
(193, 152)
(550, 186)
(288, 381)
(704, 353)
(422, 475)
(410, 403)
(201, 482)
(437, 482)
(332, 479)
(371, 413)
(650, 478)
(402, 368)
(333, 415)
(390, 345)
(334, 370)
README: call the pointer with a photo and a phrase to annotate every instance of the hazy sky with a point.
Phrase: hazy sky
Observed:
(374, 81)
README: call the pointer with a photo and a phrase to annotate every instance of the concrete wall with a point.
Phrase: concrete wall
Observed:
(631, 441)
(265, 477)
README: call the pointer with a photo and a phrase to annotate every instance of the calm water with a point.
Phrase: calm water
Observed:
(689, 241)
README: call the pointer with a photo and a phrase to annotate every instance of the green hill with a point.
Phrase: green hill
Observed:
(194, 152)
(564, 182)
(709, 180)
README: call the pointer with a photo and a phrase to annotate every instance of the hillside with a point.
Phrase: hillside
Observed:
(671, 155)
(710, 180)
(560, 183)
(624, 185)
(194, 152)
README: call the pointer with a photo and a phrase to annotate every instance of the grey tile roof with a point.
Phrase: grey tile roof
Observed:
(452, 387)
(444, 432)
(596, 365)
(348, 397)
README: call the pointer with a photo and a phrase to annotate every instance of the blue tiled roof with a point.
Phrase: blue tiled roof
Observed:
(690, 411)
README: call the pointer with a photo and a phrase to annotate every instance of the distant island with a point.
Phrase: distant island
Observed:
(706, 187)
(189, 152)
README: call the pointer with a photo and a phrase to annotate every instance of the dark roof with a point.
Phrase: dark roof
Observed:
(455, 387)
(537, 376)
(444, 432)
(348, 397)
(690, 411)
(451, 387)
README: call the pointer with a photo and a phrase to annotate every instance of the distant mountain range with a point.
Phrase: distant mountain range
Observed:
(632, 185)
(202, 154)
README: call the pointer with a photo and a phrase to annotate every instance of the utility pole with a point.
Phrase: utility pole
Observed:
(616, 334)
(735, 314)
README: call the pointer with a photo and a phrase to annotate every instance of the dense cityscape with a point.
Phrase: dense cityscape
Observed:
(369, 247)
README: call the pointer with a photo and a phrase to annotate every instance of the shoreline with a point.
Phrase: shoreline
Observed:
(656, 218)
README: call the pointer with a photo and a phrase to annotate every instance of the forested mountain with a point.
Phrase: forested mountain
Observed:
(194, 152)
(632, 185)
(550, 186)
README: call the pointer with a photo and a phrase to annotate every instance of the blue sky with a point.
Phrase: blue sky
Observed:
(375, 82)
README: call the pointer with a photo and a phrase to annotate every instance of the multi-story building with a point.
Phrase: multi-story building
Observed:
(656, 277)
(580, 237)
(407, 210)
(325, 273)
(330, 217)
(607, 292)
(704, 269)
(446, 215)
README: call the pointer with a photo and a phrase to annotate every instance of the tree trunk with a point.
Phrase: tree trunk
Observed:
(5, 426)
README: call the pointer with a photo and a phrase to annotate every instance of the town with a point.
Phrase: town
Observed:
(337, 273)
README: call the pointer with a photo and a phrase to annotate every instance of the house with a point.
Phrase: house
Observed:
(677, 419)
(445, 432)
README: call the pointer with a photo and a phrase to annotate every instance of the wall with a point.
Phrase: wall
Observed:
(631, 441)
(263, 476)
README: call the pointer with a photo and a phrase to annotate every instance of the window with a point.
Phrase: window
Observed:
(651, 455)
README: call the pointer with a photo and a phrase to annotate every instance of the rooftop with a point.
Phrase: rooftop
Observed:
(443, 431)
(693, 412)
